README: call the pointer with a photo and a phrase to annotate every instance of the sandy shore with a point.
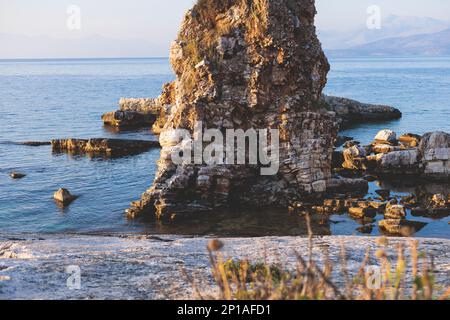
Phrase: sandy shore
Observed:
(139, 267)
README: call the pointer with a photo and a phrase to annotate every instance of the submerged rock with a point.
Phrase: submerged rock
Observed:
(242, 65)
(64, 197)
(35, 143)
(17, 175)
(109, 147)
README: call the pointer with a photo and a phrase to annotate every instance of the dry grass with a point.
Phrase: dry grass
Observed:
(242, 280)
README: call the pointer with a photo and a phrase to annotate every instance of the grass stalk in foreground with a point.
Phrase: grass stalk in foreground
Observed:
(244, 280)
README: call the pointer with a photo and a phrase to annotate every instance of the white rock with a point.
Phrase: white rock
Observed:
(63, 196)
(386, 136)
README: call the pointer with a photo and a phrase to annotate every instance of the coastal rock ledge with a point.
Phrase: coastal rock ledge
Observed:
(242, 65)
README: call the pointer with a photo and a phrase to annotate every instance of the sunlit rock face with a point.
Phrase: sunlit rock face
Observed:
(246, 65)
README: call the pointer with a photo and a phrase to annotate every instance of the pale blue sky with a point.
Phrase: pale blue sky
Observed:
(157, 21)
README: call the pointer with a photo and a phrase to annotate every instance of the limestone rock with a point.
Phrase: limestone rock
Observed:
(64, 197)
(125, 119)
(108, 147)
(386, 136)
(395, 211)
(355, 158)
(143, 112)
(351, 112)
(239, 65)
(435, 151)
(400, 162)
(410, 140)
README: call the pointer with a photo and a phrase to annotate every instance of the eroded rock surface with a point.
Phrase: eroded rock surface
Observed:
(426, 157)
(108, 147)
(242, 65)
(143, 112)
(352, 112)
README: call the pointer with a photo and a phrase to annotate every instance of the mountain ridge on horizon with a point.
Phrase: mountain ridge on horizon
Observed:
(350, 42)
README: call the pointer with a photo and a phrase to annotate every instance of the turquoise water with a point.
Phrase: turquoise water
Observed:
(48, 99)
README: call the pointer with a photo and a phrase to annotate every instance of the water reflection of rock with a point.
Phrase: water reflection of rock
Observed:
(242, 223)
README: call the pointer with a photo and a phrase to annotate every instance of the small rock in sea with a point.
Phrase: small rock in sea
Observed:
(5, 278)
(64, 197)
(385, 194)
(395, 211)
(36, 143)
(386, 136)
(17, 175)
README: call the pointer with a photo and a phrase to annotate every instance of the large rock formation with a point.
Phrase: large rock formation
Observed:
(240, 65)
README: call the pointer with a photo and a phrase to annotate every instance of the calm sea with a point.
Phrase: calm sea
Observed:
(48, 99)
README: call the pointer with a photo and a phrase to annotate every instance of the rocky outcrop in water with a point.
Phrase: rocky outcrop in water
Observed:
(242, 65)
(143, 112)
(108, 147)
(426, 157)
(352, 112)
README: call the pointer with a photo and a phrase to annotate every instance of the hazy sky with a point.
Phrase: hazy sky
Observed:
(157, 21)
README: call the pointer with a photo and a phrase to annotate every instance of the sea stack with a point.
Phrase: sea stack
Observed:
(246, 65)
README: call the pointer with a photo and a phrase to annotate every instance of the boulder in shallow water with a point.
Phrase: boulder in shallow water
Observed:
(395, 211)
(63, 196)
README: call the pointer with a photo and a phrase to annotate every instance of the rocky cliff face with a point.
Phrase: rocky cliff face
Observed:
(240, 65)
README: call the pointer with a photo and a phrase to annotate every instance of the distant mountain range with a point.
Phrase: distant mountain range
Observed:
(398, 35)
(430, 44)
(391, 27)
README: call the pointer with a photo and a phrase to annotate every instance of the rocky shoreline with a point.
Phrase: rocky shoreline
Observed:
(140, 267)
